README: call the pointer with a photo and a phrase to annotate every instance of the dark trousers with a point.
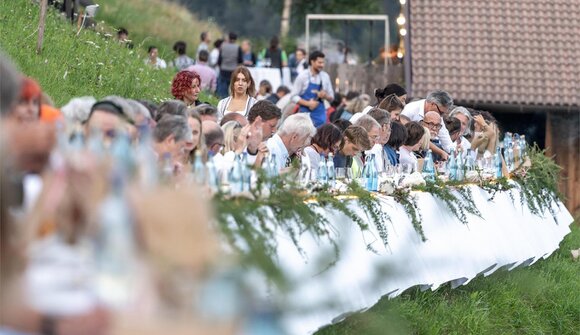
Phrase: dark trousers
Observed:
(223, 84)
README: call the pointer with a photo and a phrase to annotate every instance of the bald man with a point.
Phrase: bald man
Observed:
(434, 122)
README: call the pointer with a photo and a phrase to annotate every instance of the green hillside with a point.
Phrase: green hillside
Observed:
(91, 63)
(156, 22)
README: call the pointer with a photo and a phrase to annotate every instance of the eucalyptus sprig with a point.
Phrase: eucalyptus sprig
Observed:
(493, 186)
(460, 205)
(538, 182)
(409, 203)
(250, 221)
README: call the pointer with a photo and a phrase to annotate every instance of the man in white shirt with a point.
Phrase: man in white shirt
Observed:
(436, 101)
(294, 134)
(464, 116)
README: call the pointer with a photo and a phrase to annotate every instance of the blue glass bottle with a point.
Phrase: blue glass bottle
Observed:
(274, 169)
(199, 172)
(452, 166)
(236, 176)
(212, 174)
(460, 166)
(374, 174)
(246, 173)
(498, 163)
(510, 160)
(321, 172)
(330, 170)
(115, 247)
(429, 167)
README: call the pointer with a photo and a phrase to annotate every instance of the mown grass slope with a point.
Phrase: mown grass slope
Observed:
(541, 299)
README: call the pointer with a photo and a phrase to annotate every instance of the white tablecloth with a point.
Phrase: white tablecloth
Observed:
(506, 235)
(272, 75)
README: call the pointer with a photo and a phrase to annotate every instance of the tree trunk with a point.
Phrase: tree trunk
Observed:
(41, 24)
(285, 21)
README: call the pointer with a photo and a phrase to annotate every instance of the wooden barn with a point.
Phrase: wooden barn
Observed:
(516, 59)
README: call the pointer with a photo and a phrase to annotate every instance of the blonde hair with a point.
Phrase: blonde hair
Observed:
(231, 132)
(426, 139)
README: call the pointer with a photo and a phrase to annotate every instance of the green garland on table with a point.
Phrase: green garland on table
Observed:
(409, 202)
(494, 186)
(459, 203)
(538, 182)
(250, 221)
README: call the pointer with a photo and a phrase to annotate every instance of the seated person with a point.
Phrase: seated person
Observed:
(397, 138)
(415, 133)
(294, 134)
(355, 139)
(171, 136)
(281, 92)
(326, 140)
(433, 123)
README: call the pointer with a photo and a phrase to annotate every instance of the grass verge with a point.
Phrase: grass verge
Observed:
(91, 63)
(541, 299)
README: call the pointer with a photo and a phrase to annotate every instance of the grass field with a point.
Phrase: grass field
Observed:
(541, 299)
(91, 63)
(156, 22)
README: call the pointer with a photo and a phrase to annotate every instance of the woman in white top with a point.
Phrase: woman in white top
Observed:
(326, 140)
(242, 91)
(415, 132)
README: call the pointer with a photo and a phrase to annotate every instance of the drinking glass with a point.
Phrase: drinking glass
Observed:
(340, 173)
(407, 168)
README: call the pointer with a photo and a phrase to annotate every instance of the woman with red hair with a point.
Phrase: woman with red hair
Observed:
(186, 87)
(28, 106)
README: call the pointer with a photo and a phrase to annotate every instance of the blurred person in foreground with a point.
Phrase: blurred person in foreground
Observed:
(25, 145)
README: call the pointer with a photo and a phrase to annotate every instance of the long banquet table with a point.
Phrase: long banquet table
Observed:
(506, 235)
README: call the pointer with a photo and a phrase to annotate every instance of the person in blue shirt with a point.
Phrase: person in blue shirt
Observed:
(397, 138)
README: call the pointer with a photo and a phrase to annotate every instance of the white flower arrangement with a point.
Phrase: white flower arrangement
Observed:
(414, 179)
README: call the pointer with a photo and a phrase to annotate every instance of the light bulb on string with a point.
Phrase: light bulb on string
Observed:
(401, 20)
(403, 31)
(402, 2)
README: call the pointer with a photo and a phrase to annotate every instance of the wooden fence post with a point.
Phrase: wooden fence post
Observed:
(41, 24)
